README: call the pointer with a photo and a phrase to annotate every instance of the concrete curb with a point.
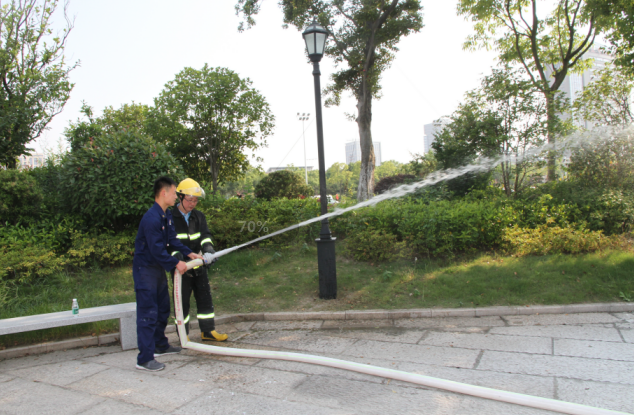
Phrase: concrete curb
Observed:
(339, 315)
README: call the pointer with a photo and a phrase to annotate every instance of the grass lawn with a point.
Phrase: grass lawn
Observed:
(267, 279)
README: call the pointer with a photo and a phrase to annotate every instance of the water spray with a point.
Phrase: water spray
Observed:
(484, 164)
(573, 141)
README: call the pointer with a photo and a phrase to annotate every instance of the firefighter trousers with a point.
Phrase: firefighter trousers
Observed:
(199, 285)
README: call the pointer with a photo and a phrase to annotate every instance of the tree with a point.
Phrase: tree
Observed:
(547, 48)
(469, 135)
(209, 117)
(243, 185)
(33, 74)
(338, 179)
(109, 180)
(128, 118)
(507, 97)
(365, 34)
(606, 100)
(616, 19)
(506, 116)
(421, 166)
(283, 183)
(389, 168)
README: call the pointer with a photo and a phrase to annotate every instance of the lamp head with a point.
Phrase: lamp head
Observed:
(315, 37)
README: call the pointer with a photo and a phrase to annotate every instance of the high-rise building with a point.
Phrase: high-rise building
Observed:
(353, 152)
(432, 129)
(574, 83)
(31, 161)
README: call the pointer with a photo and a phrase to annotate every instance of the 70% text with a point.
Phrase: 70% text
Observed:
(252, 225)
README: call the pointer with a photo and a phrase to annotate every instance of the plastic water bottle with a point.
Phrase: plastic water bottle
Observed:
(75, 308)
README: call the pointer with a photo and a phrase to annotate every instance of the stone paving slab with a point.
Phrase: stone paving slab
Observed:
(451, 322)
(594, 349)
(113, 406)
(559, 366)
(238, 378)
(21, 396)
(628, 335)
(386, 334)
(309, 369)
(300, 340)
(522, 344)
(613, 396)
(42, 359)
(141, 388)
(388, 398)
(349, 324)
(559, 319)
(526, 384)
(127, 360)
(59, 374)
(563, 332)
(286, 325)
(222, 402)
(445, 356)
(5, 378)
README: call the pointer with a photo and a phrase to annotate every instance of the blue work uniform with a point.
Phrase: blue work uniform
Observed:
(156, 234)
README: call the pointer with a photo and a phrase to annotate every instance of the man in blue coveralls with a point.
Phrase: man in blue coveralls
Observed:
(151, 260)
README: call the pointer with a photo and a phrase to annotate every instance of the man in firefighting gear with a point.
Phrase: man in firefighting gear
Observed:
(151, 259)
(192, 231)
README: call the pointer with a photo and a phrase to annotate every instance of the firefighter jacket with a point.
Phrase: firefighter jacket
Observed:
(196, 235)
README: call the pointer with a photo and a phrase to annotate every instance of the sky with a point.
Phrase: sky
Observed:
(128, 50)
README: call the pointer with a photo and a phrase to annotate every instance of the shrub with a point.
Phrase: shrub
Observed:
(375, 246)
(389, 182)
(49, 181)
(101, 250)
(20, 197)
(282, 183)
(236, 221)
(109, 181)
(607, 210)
(605, 163)
(555, 240)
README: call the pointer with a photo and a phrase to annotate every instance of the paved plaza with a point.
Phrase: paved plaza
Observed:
(585, 358)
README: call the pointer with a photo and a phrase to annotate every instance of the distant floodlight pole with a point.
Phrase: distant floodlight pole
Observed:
(315, 37)
(304, 117)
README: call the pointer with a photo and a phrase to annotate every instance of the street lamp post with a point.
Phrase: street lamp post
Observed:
(315, 37)
(304, 117)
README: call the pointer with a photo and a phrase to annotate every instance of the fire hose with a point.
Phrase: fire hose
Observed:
(448, 385)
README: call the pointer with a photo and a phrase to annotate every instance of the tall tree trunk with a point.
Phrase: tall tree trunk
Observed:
(551, 173)
(364, 122)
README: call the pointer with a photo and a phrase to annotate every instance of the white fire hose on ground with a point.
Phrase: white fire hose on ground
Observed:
(478, 391)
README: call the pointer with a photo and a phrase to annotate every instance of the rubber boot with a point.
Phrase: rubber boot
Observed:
(213, 336)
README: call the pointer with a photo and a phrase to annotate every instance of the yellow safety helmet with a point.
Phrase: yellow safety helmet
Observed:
(190, 187)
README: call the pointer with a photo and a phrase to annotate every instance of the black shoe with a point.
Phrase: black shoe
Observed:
(169, 350)
(152, 366)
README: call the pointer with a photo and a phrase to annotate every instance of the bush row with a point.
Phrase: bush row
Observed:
(553, 218)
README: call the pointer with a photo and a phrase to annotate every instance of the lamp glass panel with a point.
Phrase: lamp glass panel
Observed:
(321, 42)
(309, 38)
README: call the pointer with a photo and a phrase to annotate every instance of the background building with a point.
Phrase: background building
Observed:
(432, 129)
(31, 161)
(353, 152)
(574, 83)
(298, 168)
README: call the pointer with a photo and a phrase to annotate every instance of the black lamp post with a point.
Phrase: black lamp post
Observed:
(315, 37)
